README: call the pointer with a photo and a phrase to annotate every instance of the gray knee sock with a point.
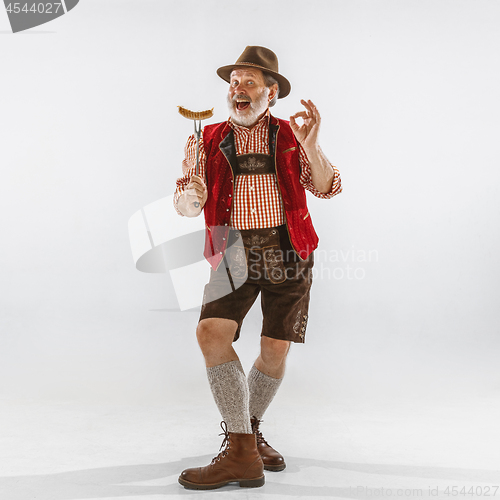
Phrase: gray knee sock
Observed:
(262, 391)
(230, 389)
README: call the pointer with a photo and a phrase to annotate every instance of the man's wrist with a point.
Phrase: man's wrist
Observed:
(313, 153)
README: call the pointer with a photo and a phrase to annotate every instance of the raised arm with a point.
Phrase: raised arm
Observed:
(322, 172)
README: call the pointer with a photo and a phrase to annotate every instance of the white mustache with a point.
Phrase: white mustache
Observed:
(241, 97)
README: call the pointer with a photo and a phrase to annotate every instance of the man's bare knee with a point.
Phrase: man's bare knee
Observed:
(274, 351)
(215, 333)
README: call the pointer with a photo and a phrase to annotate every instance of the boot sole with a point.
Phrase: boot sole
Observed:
(274, 468)
(244, 483)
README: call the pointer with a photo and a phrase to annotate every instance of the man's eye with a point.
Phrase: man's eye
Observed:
(235, 83)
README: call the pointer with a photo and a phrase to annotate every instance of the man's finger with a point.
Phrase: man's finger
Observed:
(300, 114)
(190, 193)
(196, 183)
(199, 190)
(310, 106)
(315, 110)
(196, 189)
(306, 104)
(198, 180)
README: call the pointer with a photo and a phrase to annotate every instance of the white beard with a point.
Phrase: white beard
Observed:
(252, 113)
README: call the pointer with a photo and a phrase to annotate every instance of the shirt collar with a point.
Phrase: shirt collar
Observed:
(264, 119)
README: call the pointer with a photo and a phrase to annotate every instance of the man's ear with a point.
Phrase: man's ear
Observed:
(272, 93)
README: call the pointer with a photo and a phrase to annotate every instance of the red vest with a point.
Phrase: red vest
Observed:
(218, 141)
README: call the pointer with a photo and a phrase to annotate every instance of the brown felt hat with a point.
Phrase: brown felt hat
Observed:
(261, 58)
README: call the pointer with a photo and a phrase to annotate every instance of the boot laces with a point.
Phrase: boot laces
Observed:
(255, 427)
(226, 442)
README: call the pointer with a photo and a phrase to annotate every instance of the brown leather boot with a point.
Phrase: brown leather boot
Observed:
(239, 462)
(273, 460)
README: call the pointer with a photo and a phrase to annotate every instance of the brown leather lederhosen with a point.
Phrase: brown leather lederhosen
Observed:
(261, 260)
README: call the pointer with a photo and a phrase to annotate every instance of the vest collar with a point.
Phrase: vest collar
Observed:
(228, 147)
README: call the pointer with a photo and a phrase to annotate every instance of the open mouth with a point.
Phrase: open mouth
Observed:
(241, 105)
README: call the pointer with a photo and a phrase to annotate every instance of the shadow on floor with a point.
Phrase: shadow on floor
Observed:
(115, 481)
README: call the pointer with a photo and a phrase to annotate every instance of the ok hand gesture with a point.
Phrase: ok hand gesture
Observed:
(307, 133)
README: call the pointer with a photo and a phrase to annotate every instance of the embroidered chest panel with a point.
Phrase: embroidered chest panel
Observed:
(255, 164)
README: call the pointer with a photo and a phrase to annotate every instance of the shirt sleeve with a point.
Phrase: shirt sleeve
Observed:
(306, 181)
(189, 167)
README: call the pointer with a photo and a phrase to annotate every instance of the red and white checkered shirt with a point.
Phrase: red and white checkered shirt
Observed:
(256, 199)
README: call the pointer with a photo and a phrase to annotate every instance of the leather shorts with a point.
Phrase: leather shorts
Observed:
(262, 261)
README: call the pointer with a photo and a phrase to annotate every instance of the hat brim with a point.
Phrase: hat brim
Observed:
(225, 73)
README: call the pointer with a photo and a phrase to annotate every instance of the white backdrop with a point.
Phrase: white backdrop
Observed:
(406, 300)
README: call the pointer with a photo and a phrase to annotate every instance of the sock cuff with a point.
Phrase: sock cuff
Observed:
(224, 368)
(255, 374)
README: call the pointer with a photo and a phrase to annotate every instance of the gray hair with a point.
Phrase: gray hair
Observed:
(270, 81)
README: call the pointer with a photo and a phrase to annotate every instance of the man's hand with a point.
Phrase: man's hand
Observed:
(307, 133)
(194, 197)
(322, 173)
(200, 190)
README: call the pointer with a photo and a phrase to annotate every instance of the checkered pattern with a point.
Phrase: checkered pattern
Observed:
(257, 201)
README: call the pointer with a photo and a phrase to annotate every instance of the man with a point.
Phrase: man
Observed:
(254, 170)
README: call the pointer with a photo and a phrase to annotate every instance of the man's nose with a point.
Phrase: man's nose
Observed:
(238, 89)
